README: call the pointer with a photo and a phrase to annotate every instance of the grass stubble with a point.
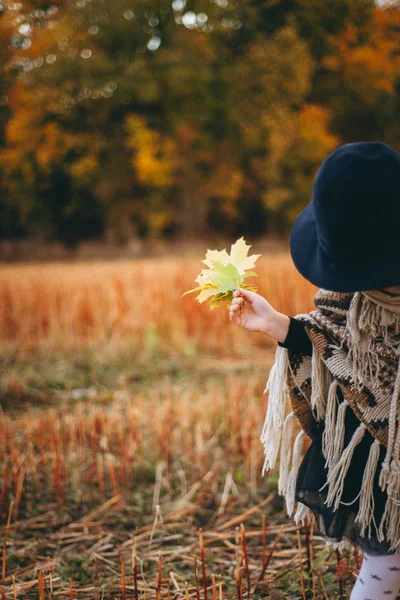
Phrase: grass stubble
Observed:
(130, 459)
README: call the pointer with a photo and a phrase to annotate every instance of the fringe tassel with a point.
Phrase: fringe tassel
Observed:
(352, 316)
(291, 484)
(384, 475)
(337, 475)
(303, 513)
(357, 319)
(329, 434)
(391, 515)
(365, 321)
(338, 440)
(286, 453)
(271, 434)
(321, 379)
(342, 546)
(367, 503)
(392, 434)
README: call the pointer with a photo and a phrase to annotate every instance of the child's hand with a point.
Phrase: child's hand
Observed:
(254, 313)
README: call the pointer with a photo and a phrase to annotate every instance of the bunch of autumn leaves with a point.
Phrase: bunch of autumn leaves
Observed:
(226, 272)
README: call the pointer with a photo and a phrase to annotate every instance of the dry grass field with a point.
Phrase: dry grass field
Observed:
(130, 459)
(73, 304)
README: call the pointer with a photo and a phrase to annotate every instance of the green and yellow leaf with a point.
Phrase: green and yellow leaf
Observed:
(226, 272)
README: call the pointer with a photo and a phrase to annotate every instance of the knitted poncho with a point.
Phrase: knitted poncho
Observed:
(356, 346)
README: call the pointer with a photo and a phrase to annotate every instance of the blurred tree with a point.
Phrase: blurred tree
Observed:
(314, 22)
(297, 145)
(364, 80)
(155, 117)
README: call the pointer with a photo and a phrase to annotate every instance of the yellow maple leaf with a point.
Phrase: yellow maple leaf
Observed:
(204, 277)
(238, 256)
(206, 293)
(220, 255)
(225, 273)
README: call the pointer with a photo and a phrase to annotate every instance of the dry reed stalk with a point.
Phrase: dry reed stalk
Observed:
(123, 582)
(71, 596)
(48, 593)
(51, 584)
(284, 569)
(264, 543)
(135, 581)
(303, 591)
(63, 476)
(32, 465)
(339, 572)
(238, 554)
(56, 482)
(168, 589)
(200, 448)
(133, 552)
(123, 471)
(321, 580)
(247, 513)
(18, 494)
(214, 587)
(196, 574)
(309, 528)
(114, 482)
(96, 512)
(225, 494)
(186, 591)
(220, 587)
(4, 485)
(41, 585)
(268, 559)
(239, 580)
(159, 575)
(96, 576)
(100, 472)
(246, 558)
(4, 556)
(203, 564)
(157, 487)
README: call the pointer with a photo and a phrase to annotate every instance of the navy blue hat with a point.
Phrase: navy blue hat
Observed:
(347, 238)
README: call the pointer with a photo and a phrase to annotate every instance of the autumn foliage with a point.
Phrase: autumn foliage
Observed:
(124, 120)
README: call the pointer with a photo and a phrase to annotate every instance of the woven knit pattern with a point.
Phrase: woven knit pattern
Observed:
(327, 329)
(356, 346)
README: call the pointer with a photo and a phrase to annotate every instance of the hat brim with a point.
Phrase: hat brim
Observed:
(320, 270)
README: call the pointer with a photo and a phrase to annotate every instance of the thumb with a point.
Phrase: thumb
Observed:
(247, 294)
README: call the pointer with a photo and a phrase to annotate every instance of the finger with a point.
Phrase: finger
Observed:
(234, 316)
(249, 296)
(238, 300)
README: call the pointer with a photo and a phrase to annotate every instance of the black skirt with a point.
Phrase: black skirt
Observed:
(337, 525)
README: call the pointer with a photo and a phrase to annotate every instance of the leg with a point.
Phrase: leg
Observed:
(379, 578)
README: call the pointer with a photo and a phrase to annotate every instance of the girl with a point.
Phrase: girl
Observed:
(336, 375)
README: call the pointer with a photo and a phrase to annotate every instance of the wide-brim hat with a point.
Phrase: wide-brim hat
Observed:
(347, 238)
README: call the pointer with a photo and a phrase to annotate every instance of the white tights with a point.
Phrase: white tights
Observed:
(379, 578)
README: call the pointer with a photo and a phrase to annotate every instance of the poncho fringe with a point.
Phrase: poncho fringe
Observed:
(356, 345)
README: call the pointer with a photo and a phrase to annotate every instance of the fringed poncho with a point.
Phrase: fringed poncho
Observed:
(356, 348)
